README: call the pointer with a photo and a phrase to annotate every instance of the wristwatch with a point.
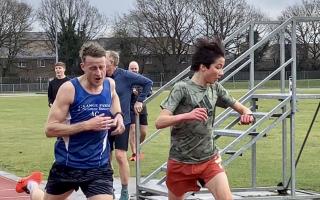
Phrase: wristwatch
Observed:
(118, 113)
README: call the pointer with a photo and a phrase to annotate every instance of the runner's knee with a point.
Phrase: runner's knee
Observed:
(121, 156)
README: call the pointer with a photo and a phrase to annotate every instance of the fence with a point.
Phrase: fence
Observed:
(25, 87)
(306, 79)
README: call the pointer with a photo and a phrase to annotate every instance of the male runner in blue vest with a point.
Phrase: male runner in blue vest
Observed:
(82, 147)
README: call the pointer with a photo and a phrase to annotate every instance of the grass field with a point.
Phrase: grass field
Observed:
(25, 148)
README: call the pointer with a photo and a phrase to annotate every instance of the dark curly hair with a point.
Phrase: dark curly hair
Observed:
(207, 52)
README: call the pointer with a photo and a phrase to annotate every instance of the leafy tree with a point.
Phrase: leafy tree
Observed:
(76, 22)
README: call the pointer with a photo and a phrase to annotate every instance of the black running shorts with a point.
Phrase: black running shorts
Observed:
(120, 141)
(91, 181)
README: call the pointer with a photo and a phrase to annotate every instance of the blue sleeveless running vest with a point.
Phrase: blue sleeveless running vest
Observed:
(88, 149)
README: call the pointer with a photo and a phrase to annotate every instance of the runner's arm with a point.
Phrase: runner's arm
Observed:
(57, 125)
(246, 114)
(116, 110)
(166, 118)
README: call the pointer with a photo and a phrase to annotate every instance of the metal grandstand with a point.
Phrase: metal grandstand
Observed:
(283, 112)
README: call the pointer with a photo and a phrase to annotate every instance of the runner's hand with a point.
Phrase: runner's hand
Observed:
(199, 114)
(246, 119)
(99, 123)
(119, 125)
(138, 107)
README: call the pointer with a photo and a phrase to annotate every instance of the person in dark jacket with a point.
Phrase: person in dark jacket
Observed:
(143, 116)
(125, 80)
(54, 85)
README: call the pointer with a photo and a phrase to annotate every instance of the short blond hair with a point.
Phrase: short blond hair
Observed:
(114, 56)
(62, 64)
(93, 49)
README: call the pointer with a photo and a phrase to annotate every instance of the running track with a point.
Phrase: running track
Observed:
(8, 191)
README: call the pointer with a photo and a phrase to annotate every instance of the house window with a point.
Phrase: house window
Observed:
(41, 63)
(148, 60)
(22, 64)
(183, 59)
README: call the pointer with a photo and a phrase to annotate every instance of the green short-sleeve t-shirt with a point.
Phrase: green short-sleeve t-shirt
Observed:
(192, 141)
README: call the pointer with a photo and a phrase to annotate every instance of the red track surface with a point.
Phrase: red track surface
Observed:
(8, 191)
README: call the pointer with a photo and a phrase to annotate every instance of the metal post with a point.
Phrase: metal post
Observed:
(293, 108)
(284, 122)
(20, 85)
(253, 105)
(1, 83)
(282, 60)
(40, 88)
(251, 43)
(161, 79)
(138, 173)
(56, 30)
(290, 84)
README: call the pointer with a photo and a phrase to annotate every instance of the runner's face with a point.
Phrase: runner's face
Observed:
(95, 69)
(215, 71)
(110, 66)
(59, 70)
(134, 68)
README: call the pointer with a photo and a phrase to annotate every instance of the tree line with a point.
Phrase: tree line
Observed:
(161, 28)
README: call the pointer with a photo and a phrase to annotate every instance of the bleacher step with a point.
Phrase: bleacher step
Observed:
(164, 168)
(284, 96)
(270, 96)
(228, 132)
(232, 132)
(255, 114)
(230, 152)
(153, 187)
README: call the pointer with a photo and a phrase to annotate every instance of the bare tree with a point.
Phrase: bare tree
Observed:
(76, 22)
(223, 17)
(15, 20)
(5, 7)
(123, 39)
(167, 26)
(308, 35)
(131, 43)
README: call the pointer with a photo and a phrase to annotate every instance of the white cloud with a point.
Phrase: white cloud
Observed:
(272, 8)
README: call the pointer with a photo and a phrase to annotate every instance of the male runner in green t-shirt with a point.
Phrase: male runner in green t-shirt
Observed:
(189, 110)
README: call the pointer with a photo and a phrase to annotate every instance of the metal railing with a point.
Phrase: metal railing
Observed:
(248, 58)
(24, 87)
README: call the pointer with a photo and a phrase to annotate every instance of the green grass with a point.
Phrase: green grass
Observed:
(25, 148)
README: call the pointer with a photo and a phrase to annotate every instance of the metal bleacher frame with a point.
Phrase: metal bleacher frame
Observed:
(150, 188)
